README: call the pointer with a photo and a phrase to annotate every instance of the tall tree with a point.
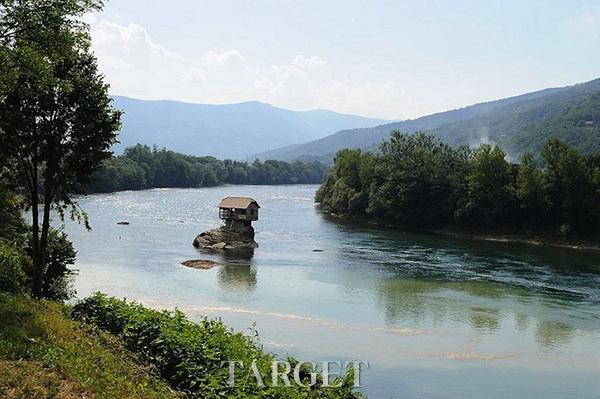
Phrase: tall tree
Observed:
(56, 120)
(490, 186)
(571, 188)
(530, 191)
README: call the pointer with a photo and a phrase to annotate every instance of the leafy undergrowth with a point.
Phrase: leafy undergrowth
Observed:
(44, 354)
(190, 355)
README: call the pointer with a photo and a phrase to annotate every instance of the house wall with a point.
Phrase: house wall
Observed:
(239, 214)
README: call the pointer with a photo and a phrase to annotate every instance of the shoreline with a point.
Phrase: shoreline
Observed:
(537, 240)
(75, 195)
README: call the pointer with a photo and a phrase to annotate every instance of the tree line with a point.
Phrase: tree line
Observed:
(417, 180)
(142, 167)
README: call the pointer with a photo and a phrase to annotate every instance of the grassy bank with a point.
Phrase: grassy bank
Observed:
(44, 354)
(109, 348)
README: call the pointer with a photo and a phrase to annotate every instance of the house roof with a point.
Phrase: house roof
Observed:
(237, 202)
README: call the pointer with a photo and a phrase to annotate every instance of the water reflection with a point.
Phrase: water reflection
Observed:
(418, 301)
(238, 271)
(485, 320)
(551, 335)
(570, 274)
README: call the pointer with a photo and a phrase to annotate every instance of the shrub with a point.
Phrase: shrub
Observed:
(190, 355)
(13, 279)
(58, 276)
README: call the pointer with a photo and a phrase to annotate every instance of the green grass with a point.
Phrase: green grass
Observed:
(44, 354)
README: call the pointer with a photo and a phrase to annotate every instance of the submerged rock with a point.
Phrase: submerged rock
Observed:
(236, 235)
(201, 263)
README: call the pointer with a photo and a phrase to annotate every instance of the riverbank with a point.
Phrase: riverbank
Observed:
(45, 354)
(533, 239)
(109, 348)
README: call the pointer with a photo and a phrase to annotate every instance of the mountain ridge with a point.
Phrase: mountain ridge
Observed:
(225, 130)
(491, 121)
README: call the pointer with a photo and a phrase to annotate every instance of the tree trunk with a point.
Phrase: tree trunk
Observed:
(38, 267)
(45, 228)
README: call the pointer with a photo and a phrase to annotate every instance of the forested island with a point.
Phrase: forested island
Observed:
(417, 180)
(142, 167)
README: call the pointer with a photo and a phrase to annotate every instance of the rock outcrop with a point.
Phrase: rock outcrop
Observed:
(234, 236)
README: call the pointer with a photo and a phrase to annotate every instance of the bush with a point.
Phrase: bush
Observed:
(190, 355)
(58, 278)
(13, 279)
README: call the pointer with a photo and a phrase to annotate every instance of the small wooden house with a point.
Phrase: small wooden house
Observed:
(244, 209)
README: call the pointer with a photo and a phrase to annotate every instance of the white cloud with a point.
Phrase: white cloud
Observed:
(195, 75)
(229, 57)
(302, 61)
(280, 78)
(129, 37)
(277, 79)
(138, 65)
(306, 82)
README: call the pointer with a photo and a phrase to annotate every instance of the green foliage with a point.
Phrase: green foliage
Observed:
(12, 265)
(45, 354)
(530, 191)
(141, 167)
(491, 196)
(12, 224)
(577, 125)
(189, 355)
(58, 277)
(16, 249)
(57, 114)
(418, 171)
(572, 189)
(57, 124)
(346, 186)
(417, 180)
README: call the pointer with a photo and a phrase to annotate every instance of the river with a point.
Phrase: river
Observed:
(435, 317)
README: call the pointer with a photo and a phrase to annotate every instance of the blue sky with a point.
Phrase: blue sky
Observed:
(391, 59)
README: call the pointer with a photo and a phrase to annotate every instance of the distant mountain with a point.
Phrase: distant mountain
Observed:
(506, 122)
(225, 131)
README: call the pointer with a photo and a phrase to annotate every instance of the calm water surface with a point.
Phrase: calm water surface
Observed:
(435, 317)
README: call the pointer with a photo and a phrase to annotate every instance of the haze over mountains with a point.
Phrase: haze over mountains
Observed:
(233, 131)
(252, 130)
(518, 124)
